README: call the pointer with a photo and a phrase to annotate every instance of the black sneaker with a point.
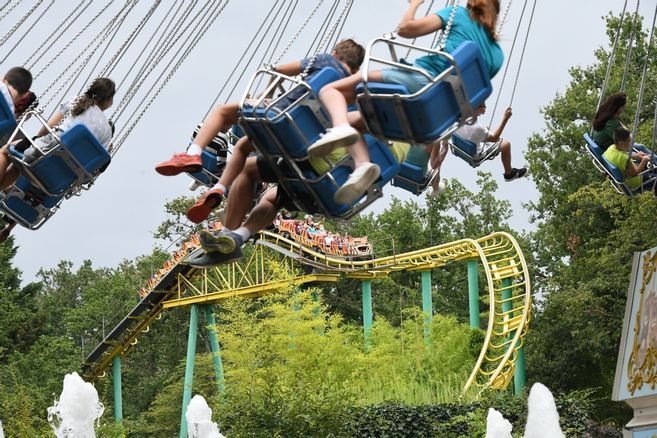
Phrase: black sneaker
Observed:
(515, 174)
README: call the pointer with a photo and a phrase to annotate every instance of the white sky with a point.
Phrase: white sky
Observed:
(116, 219)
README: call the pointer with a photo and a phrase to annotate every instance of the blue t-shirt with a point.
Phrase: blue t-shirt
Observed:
(464, 29)
(322, 60)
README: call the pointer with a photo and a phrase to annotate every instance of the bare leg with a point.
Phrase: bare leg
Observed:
(505, 150)
(241, 195)
(236, 162)
(355, 119)
(4, 161)
(337, 95)
(264, 213)
(220, 119)
(9, 178)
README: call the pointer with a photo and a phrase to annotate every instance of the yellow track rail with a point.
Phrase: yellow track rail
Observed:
(506, 274)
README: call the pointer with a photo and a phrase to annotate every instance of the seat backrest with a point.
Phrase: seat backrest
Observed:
(474, 72)
(597, 152)
(7, 119)
(57, 175)
(467, 146)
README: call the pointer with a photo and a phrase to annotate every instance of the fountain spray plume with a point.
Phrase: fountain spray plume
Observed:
(77, 410)
(199, 420)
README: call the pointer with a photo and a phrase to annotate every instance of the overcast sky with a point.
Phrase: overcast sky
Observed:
(116, 219)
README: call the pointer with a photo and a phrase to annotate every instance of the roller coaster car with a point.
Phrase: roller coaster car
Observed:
(358, 248)
(283, 128)
(62, 172)
(467, 151)
(432, 113)
(614, 174)
(7, 119)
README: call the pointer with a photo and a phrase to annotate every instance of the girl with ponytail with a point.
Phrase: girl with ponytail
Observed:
(86, 109)
(476, 22)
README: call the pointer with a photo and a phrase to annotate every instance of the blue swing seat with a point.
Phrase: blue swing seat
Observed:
(430, 114)
(411, 178)
(467, 151)
(72, 163)
(613, 172)
(7, 119)
(283, 136)
(28, 205)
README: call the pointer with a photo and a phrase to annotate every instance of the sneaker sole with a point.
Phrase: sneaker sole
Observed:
(199, 213)
(218, 244)
(208, 260)
(349, 193)
(322, 149)
(172, 170)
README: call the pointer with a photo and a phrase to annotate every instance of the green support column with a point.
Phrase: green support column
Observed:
(427, 306)
(189, 367)
(519, 373)
(473, 293)
(116, 383)
(214, 346)
(366, 286)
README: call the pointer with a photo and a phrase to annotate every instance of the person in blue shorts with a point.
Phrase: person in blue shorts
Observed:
(346, 58)
(476, 22)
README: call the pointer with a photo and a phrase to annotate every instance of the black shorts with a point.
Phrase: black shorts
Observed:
(283, 198)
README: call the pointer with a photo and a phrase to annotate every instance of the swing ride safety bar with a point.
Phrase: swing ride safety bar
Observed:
(177, 284)
(451, 75)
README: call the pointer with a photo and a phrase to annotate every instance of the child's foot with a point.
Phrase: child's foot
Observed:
(200, 211)
(223, 241)
(180, 163)
(209, 259)
(515, 174)
(358, 182)
(341, 136)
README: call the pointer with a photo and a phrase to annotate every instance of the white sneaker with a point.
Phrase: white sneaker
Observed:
(442, 185)
(334, 138)
(358, 182)
(194, 185)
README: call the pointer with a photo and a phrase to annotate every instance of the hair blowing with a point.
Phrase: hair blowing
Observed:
(485, 13)
(100, 90)
(608, 109)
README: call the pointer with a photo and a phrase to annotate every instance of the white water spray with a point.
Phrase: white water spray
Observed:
(199, 420)
(542, 418)
(497, 426)
(78, 408)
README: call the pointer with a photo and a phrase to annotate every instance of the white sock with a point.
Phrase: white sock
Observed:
(220, 187)
(194, 149)
(342, 125)
(244, 233)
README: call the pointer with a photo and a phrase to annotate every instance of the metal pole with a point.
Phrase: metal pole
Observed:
(519, 373)
(427, 307)
(366, 286)
(189, 367)
(116, 383)
(473, 293)
(214, 347)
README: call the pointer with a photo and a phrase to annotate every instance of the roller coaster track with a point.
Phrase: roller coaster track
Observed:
(178, 284)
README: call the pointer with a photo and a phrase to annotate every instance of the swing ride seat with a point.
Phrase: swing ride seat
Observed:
(214, 158)
(27, 205)
(75, 161)
(7, 119)
(434, 111)
(467, 151)
(613, 172)
(283, 135)
(412, 178)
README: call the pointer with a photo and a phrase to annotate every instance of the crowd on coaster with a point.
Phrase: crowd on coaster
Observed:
(313, 235)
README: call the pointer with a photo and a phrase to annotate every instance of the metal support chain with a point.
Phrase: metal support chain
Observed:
(522, 54)
(61, 28)
(298, 32)
(637, 116)
(611, 58)
(163, 46)
(20, 22)
(628, 58)
(26, 33)
(504, 17)
(49, 63)
(201, 33)
(8, 11)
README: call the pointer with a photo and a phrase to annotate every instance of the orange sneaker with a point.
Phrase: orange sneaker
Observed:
(180, 163)
(200, 211)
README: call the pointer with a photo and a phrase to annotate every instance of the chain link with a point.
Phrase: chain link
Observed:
(298, 32)
(26, 33)
(188, 50)
(20, 22)
(73, 40)
(10, 9)
(504, 17)
(628, 57)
